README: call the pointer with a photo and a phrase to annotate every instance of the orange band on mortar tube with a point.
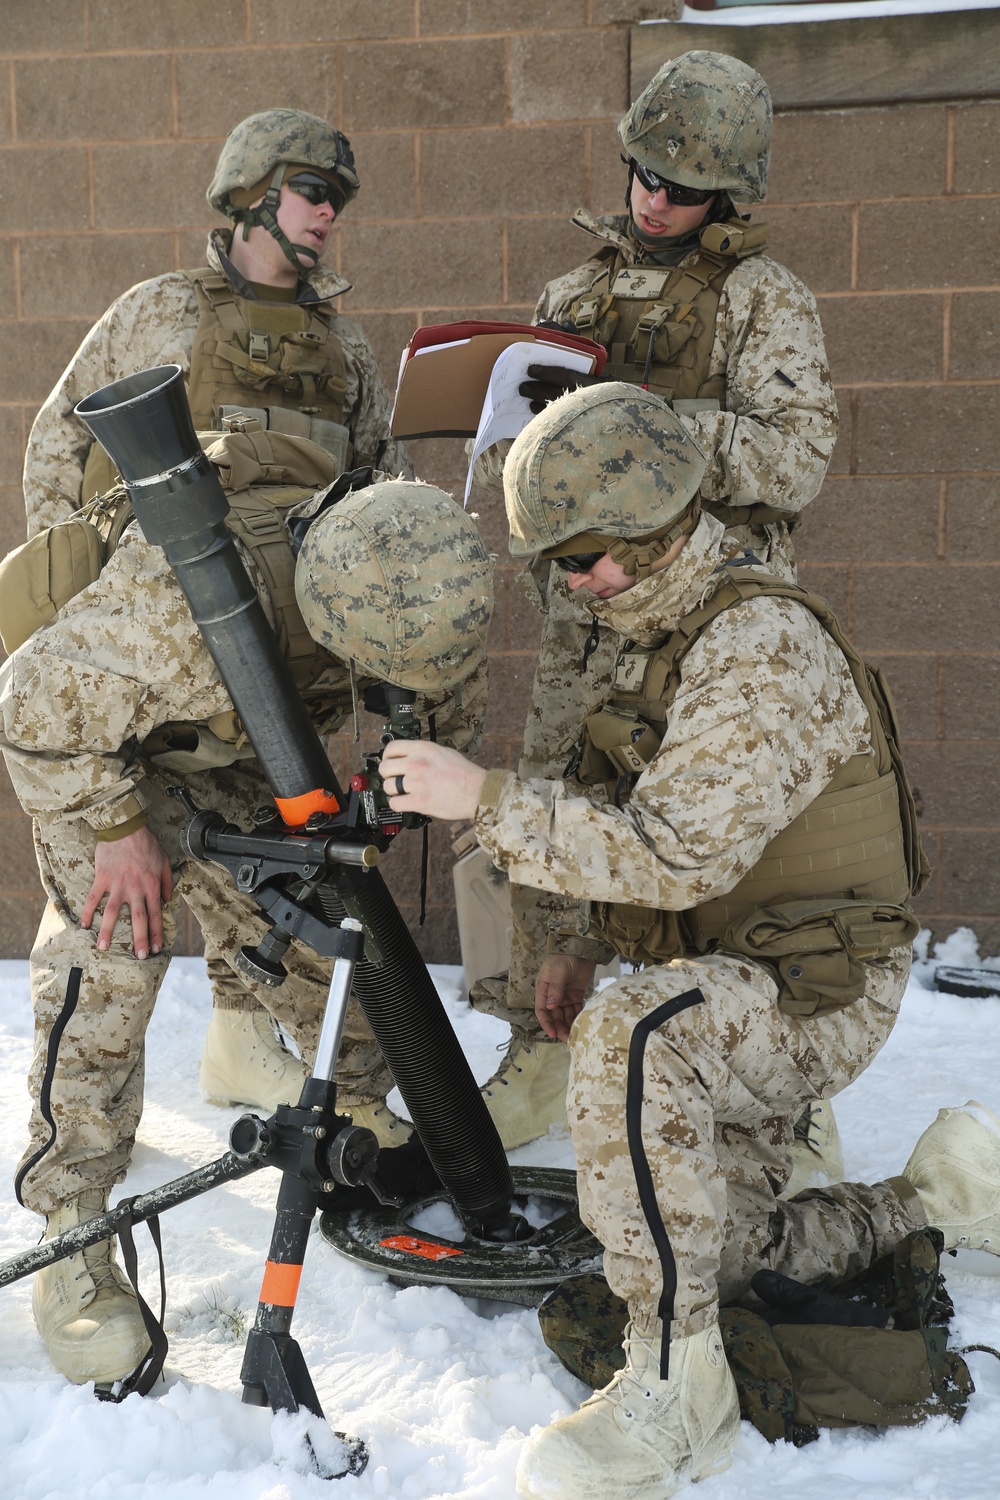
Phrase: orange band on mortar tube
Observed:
(296, 811)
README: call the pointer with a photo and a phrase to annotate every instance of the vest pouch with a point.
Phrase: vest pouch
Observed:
(641, 934)
(43, 574)
(616, 744)
(186, 748)
(819, 950)
(332, 437)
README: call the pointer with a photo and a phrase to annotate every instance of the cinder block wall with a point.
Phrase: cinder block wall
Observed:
(478, 128)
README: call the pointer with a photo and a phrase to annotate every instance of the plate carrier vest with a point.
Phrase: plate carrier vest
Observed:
(280, 362)
(829, 891)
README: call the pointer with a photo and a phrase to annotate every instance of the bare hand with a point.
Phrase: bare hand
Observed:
(437, 781)
(560, 991)
(133, 872)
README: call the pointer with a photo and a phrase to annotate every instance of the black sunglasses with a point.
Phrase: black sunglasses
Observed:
(316, 190)
(680, 196)
(579, 562)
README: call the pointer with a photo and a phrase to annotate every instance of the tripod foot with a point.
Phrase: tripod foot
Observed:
(304, 1442)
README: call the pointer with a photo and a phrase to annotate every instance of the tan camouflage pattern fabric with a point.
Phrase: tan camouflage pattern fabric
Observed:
(770, 446)
(97, 1082)
(154, 324)
(259, 142)
(704, 120)
(764, 712)
(76, 703)
(396, 576)
(722, 1083)
(568, 470)
(773, 442)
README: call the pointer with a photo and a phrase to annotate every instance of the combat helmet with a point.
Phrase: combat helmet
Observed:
(266, 148)
(704, 121)
(608, 466)
(395, 577)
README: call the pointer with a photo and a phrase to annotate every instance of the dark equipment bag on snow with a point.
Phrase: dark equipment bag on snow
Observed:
(869, 1352)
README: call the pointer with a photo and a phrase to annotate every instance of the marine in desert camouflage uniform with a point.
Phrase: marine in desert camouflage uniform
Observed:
(257, 329)
(394, 580)
(733, 339)
(729, 737)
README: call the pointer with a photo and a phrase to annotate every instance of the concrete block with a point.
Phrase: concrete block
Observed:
(567, 76)
(846, 155)
(434, 84)
(871, 520)
(442, 17)
(972, 519)
(44, 188)
(76, 274)
(509, 171)
(406, 265)
(939, 609)
(934, 429)
(947, 242)
(218, 89)
(125, 97)
(977, 147)
(274, 21)
(389, 168)
(884, 338)
(537, 251)
(149, 25)
(970, 695)
(37, 354)
(58, 26)
(156, 186)
(814, 242)
(974, 342)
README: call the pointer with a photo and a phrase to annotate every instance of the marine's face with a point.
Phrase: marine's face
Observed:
(606, 579)
(304, 222)
(656, 217)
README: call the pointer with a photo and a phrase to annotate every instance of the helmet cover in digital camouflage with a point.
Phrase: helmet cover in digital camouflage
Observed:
(261, 142)
(611, 460)
(396, 578)
(704, 121)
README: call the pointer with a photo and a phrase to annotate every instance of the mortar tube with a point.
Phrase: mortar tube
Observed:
(144, 423)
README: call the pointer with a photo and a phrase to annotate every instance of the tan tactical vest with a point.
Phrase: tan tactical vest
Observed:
(281, 362)
(829, 891)
(658, 322)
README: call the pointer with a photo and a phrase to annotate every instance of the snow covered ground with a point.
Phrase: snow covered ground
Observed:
(443, 1391)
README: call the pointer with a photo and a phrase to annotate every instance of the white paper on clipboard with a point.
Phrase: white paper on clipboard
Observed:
(505, 411)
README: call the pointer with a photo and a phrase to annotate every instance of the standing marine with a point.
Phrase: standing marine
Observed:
(255, 330)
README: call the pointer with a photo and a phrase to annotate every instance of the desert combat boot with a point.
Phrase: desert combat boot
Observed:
(641, 1437)
(955, 1168)
(244, 1061)
(527, 1094)
(84, 1308)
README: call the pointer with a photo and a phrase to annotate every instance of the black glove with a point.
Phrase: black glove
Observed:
(548, 382)
(791, 1301)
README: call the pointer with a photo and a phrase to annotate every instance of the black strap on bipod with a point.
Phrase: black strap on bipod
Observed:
(147, 1371)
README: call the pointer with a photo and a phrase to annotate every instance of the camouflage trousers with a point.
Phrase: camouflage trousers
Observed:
(685, 1082)
(86, 1078)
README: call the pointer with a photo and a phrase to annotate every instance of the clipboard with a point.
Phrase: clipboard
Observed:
(445, 372)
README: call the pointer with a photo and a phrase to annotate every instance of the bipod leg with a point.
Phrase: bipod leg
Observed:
(274, 1370)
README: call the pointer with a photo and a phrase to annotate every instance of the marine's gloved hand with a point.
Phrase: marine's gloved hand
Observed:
(790, 1301)
(548, 382)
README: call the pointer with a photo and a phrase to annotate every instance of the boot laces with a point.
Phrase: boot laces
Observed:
(509, 1063)
(628, 1388)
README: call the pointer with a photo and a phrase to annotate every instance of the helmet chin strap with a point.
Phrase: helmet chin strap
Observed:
(266, 215)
